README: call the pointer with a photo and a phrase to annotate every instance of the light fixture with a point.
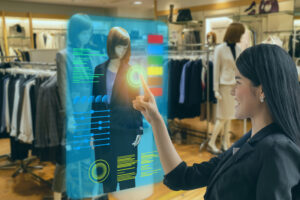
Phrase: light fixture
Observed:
(137, 3)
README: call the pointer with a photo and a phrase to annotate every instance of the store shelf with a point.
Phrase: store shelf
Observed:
(192, 22)
(264, 15)
(279, 31)
(21, 37)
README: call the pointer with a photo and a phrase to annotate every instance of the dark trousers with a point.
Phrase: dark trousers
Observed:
(121, 145)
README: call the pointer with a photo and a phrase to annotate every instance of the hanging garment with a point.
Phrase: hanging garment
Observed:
(26, 126)
(13, 132)
(44, 41)
(175, 68)
(48, 121)
(190, 37)
(182, 82)
(7, 117)
(185, 84)
(4, 104)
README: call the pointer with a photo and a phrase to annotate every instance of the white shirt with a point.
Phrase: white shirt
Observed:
(7, 117)
(26, 130)
(224, 65)
(13, 132)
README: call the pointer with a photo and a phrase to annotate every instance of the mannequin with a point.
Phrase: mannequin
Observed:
(126, 126)
(224, 79)
(211, 38)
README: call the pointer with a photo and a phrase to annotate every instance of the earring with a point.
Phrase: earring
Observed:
(262, 99)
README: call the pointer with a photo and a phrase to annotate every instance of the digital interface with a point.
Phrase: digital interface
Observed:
(109, 145)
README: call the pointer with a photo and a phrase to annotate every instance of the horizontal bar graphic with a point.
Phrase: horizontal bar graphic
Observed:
(87, 147)
(93, 134)
(155, 60)
(155, 49)
(155, 39)
(82, 141)
(99, 122)
(154, 81)
(154, 71)
(156, 91)
(91, 112)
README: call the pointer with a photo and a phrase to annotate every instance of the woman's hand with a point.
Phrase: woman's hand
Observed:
(146, 104)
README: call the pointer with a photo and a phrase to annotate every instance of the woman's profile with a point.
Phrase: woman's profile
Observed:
(265, 163)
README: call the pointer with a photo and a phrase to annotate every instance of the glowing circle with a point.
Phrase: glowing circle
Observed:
(133, 75)
(99, 171)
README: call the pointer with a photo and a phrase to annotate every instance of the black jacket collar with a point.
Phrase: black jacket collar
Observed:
(246, 146)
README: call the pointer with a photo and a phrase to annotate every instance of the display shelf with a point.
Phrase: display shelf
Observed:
(264, 15)
(28, 20)
(279, 31)
(18, 37)
(191, 22)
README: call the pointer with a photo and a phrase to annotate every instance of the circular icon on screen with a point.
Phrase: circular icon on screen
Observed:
(99, 171)
(98, 99)
(133, 75)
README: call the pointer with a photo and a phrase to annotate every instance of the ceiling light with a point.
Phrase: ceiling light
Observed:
(137, 3)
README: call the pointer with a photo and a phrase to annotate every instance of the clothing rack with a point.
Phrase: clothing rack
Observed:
(10, 56)
(207, 54)
(50, 29)
(24, 165)
(35, 65)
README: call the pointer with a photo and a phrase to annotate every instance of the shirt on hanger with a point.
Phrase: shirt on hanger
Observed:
(7, 117)
(26, 128)
(182, 82)
(4, 101)
(13, 132)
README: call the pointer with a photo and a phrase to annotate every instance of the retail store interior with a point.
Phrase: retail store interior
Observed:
(33, 35)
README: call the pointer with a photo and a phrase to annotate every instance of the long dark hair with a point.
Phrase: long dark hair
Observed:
(272, 68)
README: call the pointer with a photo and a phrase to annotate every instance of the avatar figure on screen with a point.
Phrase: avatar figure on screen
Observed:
(117, 127)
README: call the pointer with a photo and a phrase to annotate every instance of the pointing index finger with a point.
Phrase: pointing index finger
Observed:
(145, 87)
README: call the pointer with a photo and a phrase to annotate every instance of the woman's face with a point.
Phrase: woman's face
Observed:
(247, 97)
(120, 50)
(85, 36)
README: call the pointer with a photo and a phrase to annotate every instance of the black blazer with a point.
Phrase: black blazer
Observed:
(265, 167)
(124, 119)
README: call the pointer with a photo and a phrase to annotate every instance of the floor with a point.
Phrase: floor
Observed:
(24, 187)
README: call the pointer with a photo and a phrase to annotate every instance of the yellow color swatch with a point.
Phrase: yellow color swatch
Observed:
(155, 71)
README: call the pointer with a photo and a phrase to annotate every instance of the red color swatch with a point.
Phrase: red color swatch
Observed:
(156, 91)
(155, 39)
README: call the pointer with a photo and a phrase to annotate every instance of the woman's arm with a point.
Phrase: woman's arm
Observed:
(167, 152)
(178, 176)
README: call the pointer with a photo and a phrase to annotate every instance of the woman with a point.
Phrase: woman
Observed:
(263, 164)
(124, 124)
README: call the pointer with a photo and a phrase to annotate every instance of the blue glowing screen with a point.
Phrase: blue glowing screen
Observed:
(109, 145)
